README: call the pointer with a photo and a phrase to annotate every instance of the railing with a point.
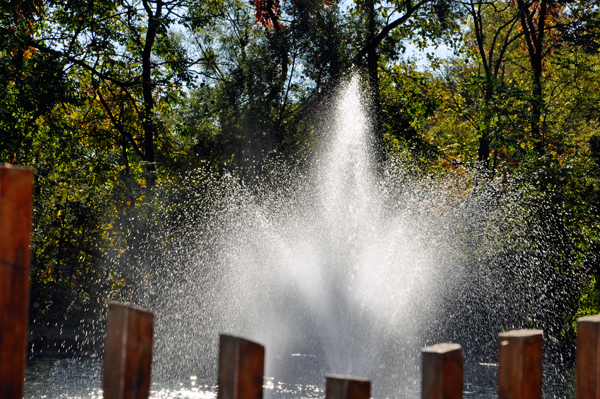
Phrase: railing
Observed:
(129, 337)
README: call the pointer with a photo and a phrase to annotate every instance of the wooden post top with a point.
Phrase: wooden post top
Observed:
(520, 364)
(128, 308)
(521, 333)
(346, 387)
(128, 353)
(16, 188)
(14, 166)
(441, 348)
(241, 368)
(589, 319)
(588, 358)
(442, 372)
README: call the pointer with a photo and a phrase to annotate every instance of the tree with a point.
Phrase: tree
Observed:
(126, 55)
(395, 21)
(495, 32)
(31, 83)
(267, 74)
(409, 98)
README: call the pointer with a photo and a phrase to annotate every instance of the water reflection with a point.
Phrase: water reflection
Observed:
(63, 378)
(82, 379)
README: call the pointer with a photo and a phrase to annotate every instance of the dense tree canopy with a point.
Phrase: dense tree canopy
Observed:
(107, 99)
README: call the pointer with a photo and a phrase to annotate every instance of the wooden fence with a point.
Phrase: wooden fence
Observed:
(128, 344)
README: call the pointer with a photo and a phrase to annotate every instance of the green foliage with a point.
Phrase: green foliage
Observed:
(588, 305)
(409, 99)
(30, 86)
(108, 99)
(263, 88)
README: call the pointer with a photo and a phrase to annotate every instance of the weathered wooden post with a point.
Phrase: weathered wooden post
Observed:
(342, 387)
(520, 365)
(16, 184)
(442, 372)
(241, 368)
(588, 358)
(127, 353)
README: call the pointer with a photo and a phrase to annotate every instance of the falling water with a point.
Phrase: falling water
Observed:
(339, 266)
(336, 265)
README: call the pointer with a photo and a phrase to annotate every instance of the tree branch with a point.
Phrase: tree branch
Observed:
(375, 41)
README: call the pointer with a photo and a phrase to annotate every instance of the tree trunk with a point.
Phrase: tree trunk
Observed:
(533, 24)
(373, 74)
(537, 102)
(483, 153)
(149, 122)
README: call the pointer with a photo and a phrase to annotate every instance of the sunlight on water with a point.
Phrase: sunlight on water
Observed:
(81, 379)
(319, 264)
(339, 266)
(354, 265)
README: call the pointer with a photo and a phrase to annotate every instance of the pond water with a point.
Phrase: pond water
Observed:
(82, 379)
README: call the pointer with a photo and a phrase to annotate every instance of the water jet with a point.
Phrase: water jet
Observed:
(340, 268)
(353, 269)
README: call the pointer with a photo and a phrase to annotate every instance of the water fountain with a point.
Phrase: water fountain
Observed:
(337, 267)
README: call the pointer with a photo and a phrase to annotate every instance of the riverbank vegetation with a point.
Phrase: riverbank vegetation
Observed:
(115, 101)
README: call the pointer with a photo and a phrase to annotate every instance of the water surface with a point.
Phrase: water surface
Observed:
(82, 378)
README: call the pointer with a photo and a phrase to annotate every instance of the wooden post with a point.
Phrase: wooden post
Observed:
(342, 387)
(442, 372)
(588, 358)
(241, 368)
(16, 184)
(520, 368)
(127, 353)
